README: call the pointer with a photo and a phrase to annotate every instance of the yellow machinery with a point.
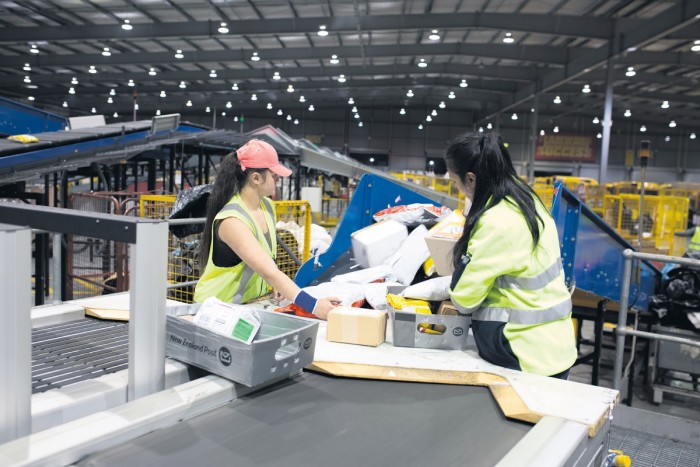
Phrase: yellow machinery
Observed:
(684, 189)
(295, 232)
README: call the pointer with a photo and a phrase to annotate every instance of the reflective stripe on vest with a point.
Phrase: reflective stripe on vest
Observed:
(514, 316)
(531, 283)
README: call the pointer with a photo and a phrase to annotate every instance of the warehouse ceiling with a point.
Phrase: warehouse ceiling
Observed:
(488, 58)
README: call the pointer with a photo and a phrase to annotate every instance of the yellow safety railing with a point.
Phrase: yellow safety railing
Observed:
(295, 232)
(662, 217)
(684, 189)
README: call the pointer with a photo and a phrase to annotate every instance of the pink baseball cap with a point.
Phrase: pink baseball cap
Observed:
(256, 154)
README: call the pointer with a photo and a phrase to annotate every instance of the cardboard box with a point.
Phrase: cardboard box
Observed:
(441, 240)
(447, 308)
(356, 326)
(283, 346)
(375, 243)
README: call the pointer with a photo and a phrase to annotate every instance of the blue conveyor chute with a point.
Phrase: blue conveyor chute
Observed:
(591, 249)
(17, 118)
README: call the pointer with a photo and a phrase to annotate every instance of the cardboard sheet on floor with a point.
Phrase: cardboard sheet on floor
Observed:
(113, 307)
(521, 396)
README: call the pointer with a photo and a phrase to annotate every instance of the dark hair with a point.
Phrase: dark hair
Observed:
(487, 158)
(230, 178)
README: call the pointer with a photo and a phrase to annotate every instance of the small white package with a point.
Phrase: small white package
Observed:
(408, 259)
(437, 289)
(346, 292)
(236, 321)
(375, 294)
(366, 276)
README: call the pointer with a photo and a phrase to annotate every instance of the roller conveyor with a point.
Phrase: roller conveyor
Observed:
(66, 353)
(321, 420)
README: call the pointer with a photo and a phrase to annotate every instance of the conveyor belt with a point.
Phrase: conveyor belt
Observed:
(646, 449)
(321, 420)
(66, 353)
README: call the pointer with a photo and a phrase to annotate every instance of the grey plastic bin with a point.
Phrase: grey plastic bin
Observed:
(406, 332)
(284, 346)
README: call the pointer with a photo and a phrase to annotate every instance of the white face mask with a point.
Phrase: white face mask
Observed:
(467, 206)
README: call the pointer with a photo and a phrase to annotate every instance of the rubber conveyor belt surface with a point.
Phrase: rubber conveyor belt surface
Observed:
(66, 353)
(321, 420)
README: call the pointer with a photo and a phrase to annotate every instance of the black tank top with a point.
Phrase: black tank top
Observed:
(222, 255)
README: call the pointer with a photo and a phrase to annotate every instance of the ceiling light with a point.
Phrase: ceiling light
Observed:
(434, 36)
(27, 67)
(532, 110)
(131, 83)
(65, 104)
(110, 100)
(94, 110)
(508, 39)
(71, 91)
(341, 79)
(254, 97)
(630, 71)
(334, 60)
(115, 115)
(311, 108)
(235, 119)
(672, 124)
(402, 111)
(112, 92)
(451, 95)
(290, 88)
(351, 101)
(136, 107)
(269, 106)
(152, 71)
(514, 116)
(255, 57)
(92, 69)
(628, 113)
(27, 79)
(223, 114)
(207, 110)
(643, 128)
(182, 85)
(371, 159)
(31, 98)
(557, 100)
(74, 81)
(289, 117)
(279, 112)
(302, 99)
(357, 115)
(481, 129)
(586, 89)
(322, 31)
(162, 94)
(489, 126)
(595, 120)
(354, 110)
(599, 135)
(34, 49)
(420, 126)
(555, 129)
(296, 121)
(178, 54)
(189, 103)
(106, 52)
(428, 118)
(434, 113)
(276, 75)
(127, 26)
(463, 84)
(223, 29)
(692, 136)
(442, 105)
(541, 132)
(696, 46)
(409, 93)
(234, 87)
(229, 105)
(360, 124)
(422, 63)
(212, 74)
(665, 105)
(667, 139)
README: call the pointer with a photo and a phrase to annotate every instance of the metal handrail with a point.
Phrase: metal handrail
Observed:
(622, 330)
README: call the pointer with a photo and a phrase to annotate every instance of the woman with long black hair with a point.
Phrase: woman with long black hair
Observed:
(239, 243)
(508, 271)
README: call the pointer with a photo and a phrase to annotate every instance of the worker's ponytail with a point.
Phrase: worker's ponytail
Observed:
(229, 180)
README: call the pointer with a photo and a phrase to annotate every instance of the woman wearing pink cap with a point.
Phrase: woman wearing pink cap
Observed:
(239, 243)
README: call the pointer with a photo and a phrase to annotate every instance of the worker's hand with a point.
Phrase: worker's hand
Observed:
(277, 297)
(324, 306)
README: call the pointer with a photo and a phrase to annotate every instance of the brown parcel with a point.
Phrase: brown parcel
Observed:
(356, 326)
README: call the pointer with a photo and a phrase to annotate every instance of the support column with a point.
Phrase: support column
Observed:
(147, 304)
(533, 140)
(15, 333)
(607, 123)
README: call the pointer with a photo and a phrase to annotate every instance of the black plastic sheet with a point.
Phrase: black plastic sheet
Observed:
(190, 203)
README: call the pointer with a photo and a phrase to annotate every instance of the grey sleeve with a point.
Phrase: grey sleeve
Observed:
(686, 233)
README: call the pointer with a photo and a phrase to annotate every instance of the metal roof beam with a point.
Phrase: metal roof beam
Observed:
(595, 27)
